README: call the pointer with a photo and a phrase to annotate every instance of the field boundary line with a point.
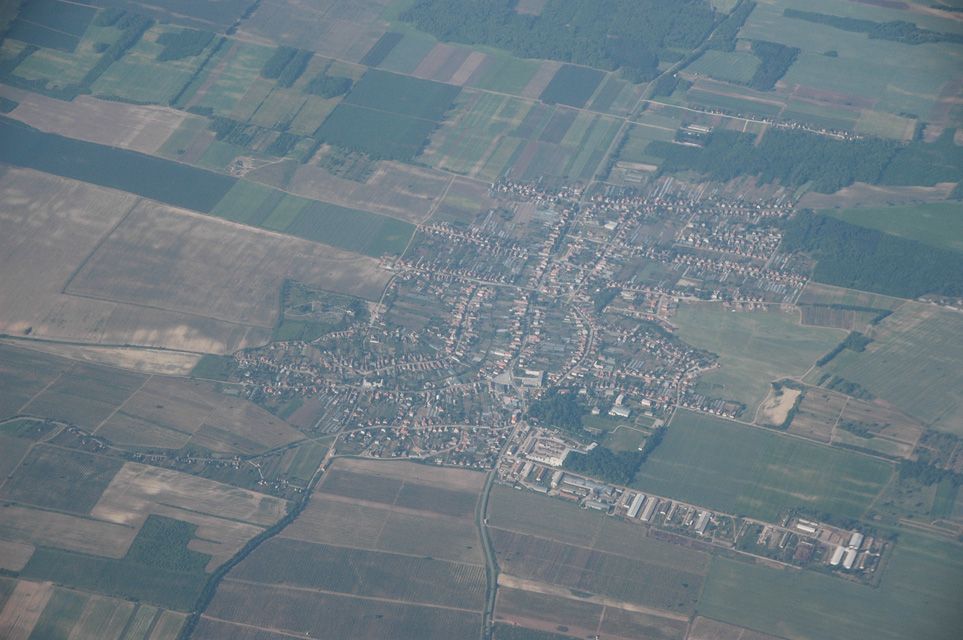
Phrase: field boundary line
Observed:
(121, 406)
(100, 243)
(247, 625)
(410, 603)
(394, 553)
(185, 313)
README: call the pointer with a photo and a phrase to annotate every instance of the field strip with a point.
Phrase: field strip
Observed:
(178, 311)
(512, 582)
(581, 546)
(388, 507)
(376, 550)
(254, 626)
(342, 594)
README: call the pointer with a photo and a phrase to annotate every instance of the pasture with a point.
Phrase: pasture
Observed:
(914, 365)
(939, 224)
(626, 579)
(237, 605)
(732, 66)
(754, 348)
(742, 470)
(916, 598)
(60, 479)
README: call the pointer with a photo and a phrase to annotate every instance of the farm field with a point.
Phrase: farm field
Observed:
(748, 471)
(393, 540)
(915, 598)
(572, 86)
(60, 479)
(632, 580)
(754, 348)
(936, 224)
(733, 66)
(825, 294)
(912, 364)
(817, 414)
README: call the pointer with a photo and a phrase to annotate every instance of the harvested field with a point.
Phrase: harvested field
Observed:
(826, 317)
(826, 294)
(138, 490)
(23, 374)
(23, 609)
(861, 194)
(775, 408)
(14, 555)
(102, 618)
(817, 414)
(151, 361)
(12, 452)
(60, 479)
(332, 615)
(107, 122)
(182, 262)
(84, 395)
(627, 579)
(51, 529)
(537, 84)
(883, 420)
(450, 478)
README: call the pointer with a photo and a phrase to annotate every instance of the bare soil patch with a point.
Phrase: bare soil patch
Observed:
(775, 408)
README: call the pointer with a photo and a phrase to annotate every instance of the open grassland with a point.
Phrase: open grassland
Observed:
(914, 364)
(937, 224)
(753, 348)
(328, 615)
(373, 574)
(60, 479)
(626, 579)
(917, 597)
(116, 124)
(723, 465)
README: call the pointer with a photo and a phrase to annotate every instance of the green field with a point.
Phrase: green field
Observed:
(350, 229)
(62, 612)
(732, 104)
(720, 464)
(913, 364)
(572, 86)
(383, 91)
(244, 63)
(939, 224)
(61, 479)
(882, 124)
(379, 134)
(508, 75)
(918, 597)
(546, 517)
(733, 66)
(407, 54)
(119, 578)
(825, 294)
(820, 116)
(155, 178)
(754, 348)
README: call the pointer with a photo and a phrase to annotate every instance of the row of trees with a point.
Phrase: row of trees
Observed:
(894, 30)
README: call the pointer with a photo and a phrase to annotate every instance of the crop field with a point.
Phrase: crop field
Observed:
(189, 250)
(733, 66)
(882, 421)
(884, 125)
(753, 348)
(344, 30)
(380, 134)
(590, 149)
(51, 529)
(937, 224)
(60, 479)
(820, 116)
(371, 574)
(85, 394)
(407, 54)
(117, 124)
(169, 182)
(53, 24)
(627, 579)
(328, 615)
(24, 605)
(508, 75)
(611, 96)
(916, 598)
(230, 80)
(816, 293)
(403, 95)
(23, 374)
(742, 470)
(817, 414)
(120, 578)
(14, 556)
(913, 364)
(706, 629)
(732, 103)
(572, 86)
(848, 319)
(545, 517)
